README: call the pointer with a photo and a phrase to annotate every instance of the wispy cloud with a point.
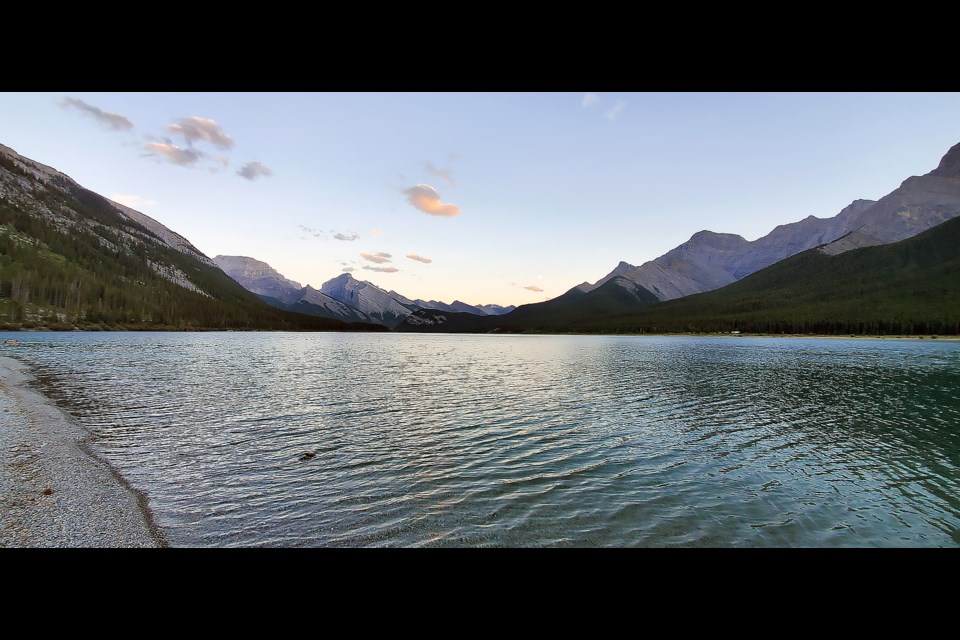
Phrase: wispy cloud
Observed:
(379, 257)
(253, 170)
(195, 129)
(615, 110)
(381, 269)
(113, 121)
(419, 258)
(348, 237)
(534, 288)
(133, 201)
(443, 174)
(588, 100)
(376, 232)
(314, 232)
(348, 269)
(173, 154)
(427, 199)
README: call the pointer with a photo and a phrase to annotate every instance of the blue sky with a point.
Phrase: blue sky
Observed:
(505, 193)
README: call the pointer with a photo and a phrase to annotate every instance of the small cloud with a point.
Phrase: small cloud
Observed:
(381, 269)
(534, 288)
(426, 198)
(253, 170)
(314, 232)
(348, 269)
(223, 161)
(132, 201)
(376, 232)
(615, 110)
(443, 174)
(589, 99)
(113, 121)
(173, 153)
(379, 258)
(346, 237)
(419, 258)
(195, 128)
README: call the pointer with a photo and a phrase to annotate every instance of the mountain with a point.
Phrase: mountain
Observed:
(259, 277)
(278, 291)
(616, 296)
(369, 299)
(495, 309)
(72, 258)
(462, 307)
(712, 260)
(316, 303)
(907, 287)
(343, 297)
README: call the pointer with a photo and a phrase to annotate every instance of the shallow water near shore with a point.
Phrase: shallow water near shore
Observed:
(520, 440)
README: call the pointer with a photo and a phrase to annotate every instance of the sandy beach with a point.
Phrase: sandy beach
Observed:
(53, 491)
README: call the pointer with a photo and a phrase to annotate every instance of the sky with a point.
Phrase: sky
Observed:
(502, 198)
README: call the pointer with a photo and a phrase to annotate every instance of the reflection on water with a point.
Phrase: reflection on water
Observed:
(522, 440)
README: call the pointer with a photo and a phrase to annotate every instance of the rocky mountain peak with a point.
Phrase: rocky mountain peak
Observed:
(949, 166)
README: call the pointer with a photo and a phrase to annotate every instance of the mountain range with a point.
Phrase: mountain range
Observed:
(72, 258)
(343, 297)
(711, 261)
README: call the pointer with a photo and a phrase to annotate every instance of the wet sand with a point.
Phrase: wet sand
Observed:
(53, 491)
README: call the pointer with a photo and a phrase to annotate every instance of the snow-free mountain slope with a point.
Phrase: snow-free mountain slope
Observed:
(259, 277)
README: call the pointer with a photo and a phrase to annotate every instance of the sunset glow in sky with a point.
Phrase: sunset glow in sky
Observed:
(484, 197)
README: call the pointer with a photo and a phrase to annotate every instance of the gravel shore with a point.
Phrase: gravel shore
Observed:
(53, 491)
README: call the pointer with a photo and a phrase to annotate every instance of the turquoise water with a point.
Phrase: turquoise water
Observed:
(521, 440)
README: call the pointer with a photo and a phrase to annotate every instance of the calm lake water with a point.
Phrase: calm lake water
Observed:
(521, 440)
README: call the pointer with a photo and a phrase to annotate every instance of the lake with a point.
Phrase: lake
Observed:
(485, 440)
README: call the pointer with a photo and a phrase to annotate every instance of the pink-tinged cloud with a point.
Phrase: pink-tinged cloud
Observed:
(589, 99)
(376, 232)
(195, 128)
(379, 257)
(419, 258)
(534, 288)
(426, 198)
(173, 154)
(113, 121)
(381, 269)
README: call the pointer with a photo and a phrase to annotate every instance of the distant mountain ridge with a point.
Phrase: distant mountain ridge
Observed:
(710, 260)
(343, 297)
(713, 261)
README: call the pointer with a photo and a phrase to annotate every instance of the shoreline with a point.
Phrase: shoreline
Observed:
(54, 490)
(808, 336)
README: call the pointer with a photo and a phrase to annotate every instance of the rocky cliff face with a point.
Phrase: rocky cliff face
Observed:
(367, 298)
(259, 277)
(920, 203)
(56, 198)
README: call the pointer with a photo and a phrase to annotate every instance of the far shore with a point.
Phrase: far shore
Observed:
(717, 334)
(54, 491)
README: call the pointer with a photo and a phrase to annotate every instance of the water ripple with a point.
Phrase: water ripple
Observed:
(250, 439)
